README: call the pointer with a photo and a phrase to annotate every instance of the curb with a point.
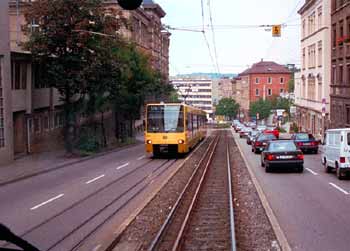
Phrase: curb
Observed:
(269, 212)
(60, 166)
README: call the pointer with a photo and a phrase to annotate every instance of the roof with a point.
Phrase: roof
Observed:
(150, 4)
(266, 67)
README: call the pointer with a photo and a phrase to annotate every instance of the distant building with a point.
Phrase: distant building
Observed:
(196, 92)
(241, 93)
(6, 127)
(340, 73)
(263, 81)
(312, 98)
(225, 88)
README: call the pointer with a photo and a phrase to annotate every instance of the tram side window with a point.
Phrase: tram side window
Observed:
(189, 122)
(195, 122)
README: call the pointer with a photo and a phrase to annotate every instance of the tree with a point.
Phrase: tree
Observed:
(67, 41)
(263, 107)
(227, 107)
(291, 85)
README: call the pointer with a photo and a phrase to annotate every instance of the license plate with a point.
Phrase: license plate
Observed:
(285, 157)
(307, 144)
(264, 144)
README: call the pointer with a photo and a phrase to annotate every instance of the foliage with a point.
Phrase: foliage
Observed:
(227, 107)
(291, 85)
(294, 128)
(174, 97)
(65, 43)
(281, 130)
(263, 107)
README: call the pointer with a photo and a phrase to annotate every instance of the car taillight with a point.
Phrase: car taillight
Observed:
(314, 143)
(257, 143)
(342, 160)
(270, 157)
(300, 156)
(299, 143)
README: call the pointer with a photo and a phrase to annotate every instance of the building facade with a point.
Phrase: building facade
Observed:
(6, 127)
(196, 92)
(241, 94)
(225, 87)
(266, 80)
(312, 99)
(340, 71)
(31, 114)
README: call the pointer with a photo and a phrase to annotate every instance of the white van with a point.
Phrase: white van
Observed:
(336, 151)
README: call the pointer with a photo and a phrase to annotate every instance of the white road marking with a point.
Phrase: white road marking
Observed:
(47, 202)
(120, 167)
(94, 179)
(97, 247)
(142, 157)
(311, 171)
(338, 188)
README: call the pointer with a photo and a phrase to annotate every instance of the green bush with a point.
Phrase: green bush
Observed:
(294, 128)
(281, 130)
(88, 144)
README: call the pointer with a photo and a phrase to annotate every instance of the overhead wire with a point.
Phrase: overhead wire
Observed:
(205, 37)
(213, 36)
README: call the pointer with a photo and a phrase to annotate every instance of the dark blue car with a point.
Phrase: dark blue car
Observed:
(306, 142)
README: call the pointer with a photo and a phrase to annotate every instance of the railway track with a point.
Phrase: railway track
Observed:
(202, 217)
(106, 211)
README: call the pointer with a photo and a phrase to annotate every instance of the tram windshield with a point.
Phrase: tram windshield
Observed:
(165, 118)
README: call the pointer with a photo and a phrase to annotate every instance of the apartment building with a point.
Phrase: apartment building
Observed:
(340, 73)
(196, 92)
(34, 111)
(312, 98)
(241, 92)
(225, 87)
(6, 152)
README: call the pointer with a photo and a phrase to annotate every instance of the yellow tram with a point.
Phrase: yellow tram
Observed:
(173, 128)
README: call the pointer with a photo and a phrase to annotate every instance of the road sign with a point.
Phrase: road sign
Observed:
(276, 30)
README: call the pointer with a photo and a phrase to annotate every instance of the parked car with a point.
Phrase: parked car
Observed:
(251, 136)
(261, 142)
(336, 154)
(306, 142)
(239, 127)
(244, 132)
(273, 130)
(261, 128)
(282, 153)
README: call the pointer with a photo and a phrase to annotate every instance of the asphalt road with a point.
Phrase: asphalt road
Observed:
(312, 208)
(57, 210)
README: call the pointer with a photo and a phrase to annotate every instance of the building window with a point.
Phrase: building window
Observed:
(319, 15)
(319, 53)
(2, 115)
(37, 124)
(348, 75)
(311, 89)
(59, 119)
(334, 28)
(269, 92)
(282, 80)
(38, 77)
(256, 80)
(312, 56)
(341, 71)
(257, 92)
(334, 75)
(341, 32)
(319, 91)
(304, 58)
(348, 115)
(304, 28)
(269, 80)
(281, 91)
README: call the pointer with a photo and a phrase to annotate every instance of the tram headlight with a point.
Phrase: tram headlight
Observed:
(149, 141)
(181, 141)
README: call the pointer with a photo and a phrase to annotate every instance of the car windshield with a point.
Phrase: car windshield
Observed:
(282, 146)
(165, 118)
(254, 133)
(266, 137)
(304, 136)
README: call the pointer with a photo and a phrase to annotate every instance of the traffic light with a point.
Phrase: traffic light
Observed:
(130, 4)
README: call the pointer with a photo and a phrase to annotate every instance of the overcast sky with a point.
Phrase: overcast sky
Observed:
(237, 48)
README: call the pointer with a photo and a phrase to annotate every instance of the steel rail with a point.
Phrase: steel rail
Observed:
(157, 239)
(232, 216)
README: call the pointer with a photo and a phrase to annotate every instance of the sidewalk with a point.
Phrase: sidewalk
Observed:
(36, 164)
